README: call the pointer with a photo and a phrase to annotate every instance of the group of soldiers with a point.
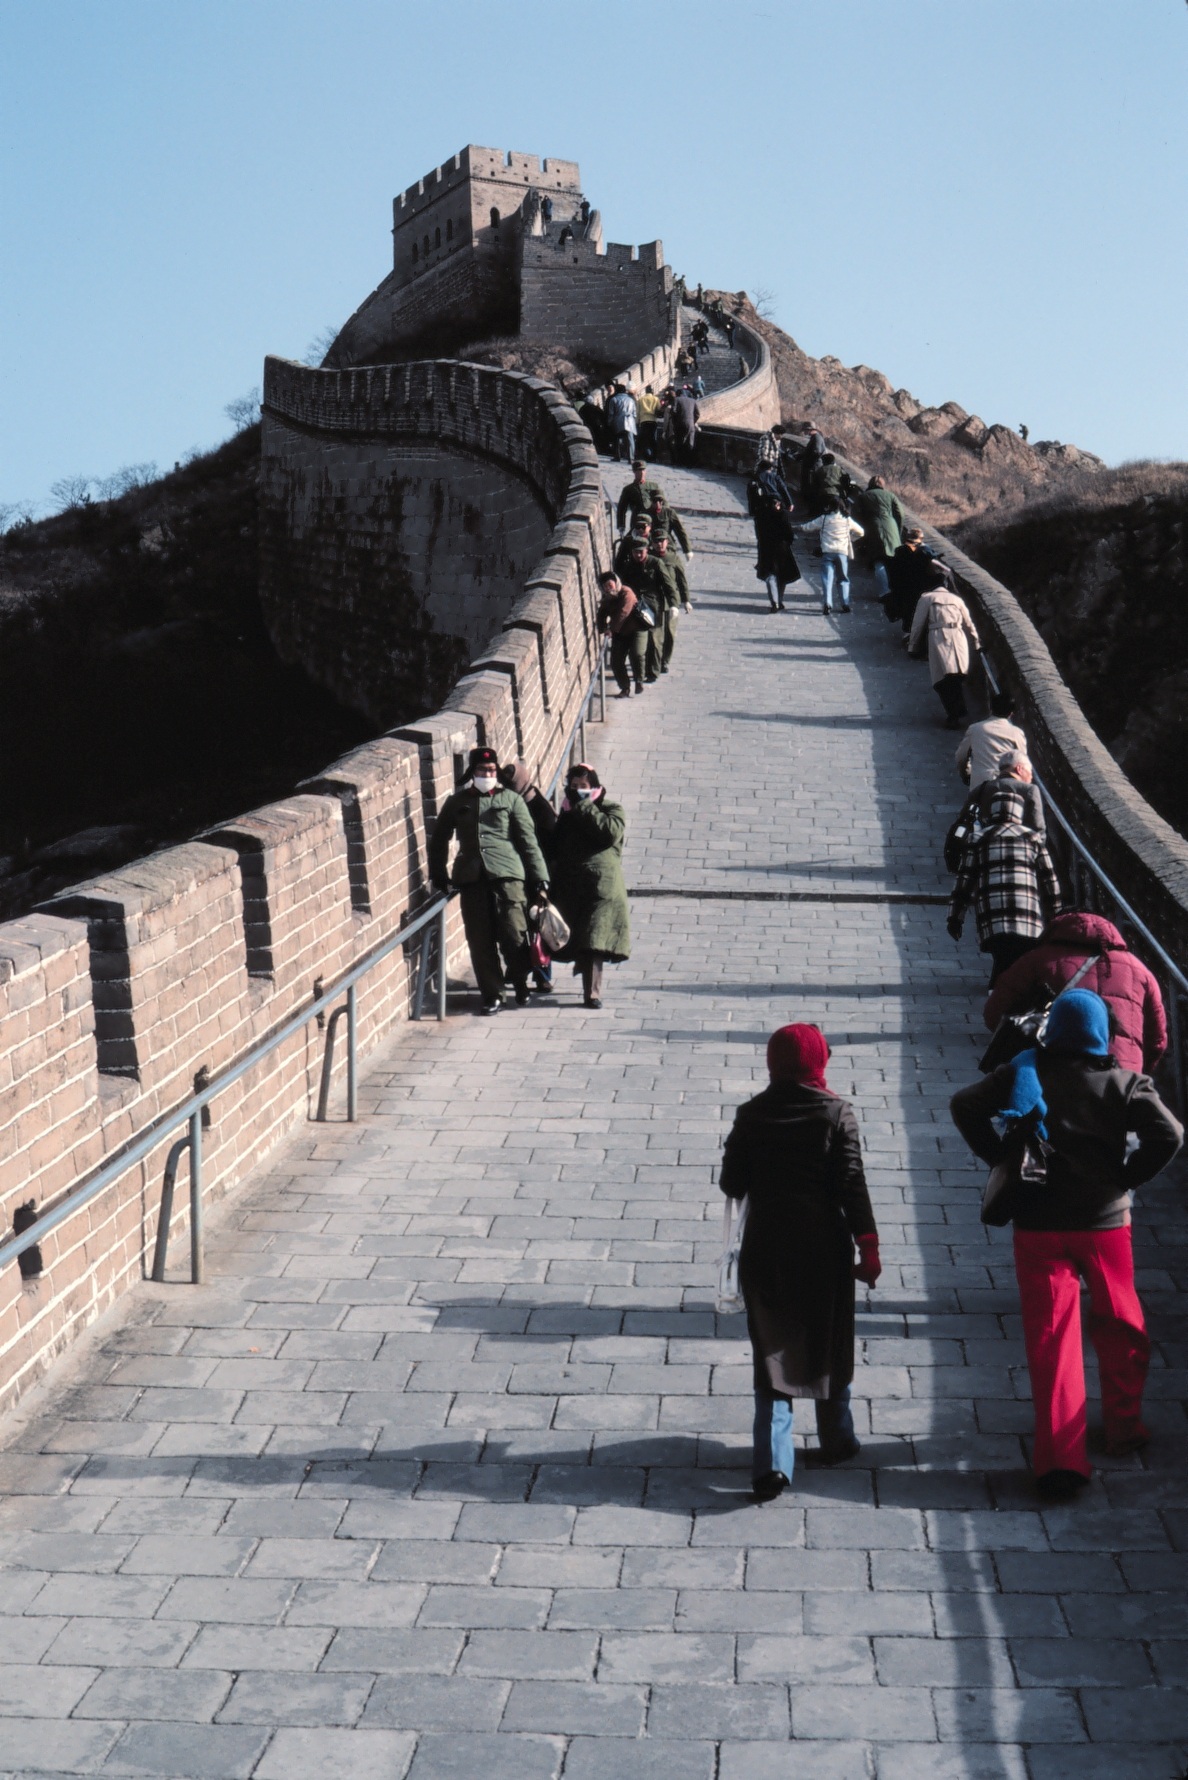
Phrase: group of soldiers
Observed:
(646, 591)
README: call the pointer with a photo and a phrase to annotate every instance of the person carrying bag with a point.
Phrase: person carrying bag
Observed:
(1078, 1135)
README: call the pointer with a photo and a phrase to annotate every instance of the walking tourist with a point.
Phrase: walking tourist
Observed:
(1007, 875)
(776, 565)
(837, 533)
(810, 460)
(686, 416)
(643, 575)
(666, 519)
(648, 407)
(794, 1154)
(942, 622)
(1138, 1024)
(829, 485)
(911, 571)
(1012, 796)
(499, 867)
(984, 743)
(586, 854)
(618, 618)
(1102, 1131)
(884, 519)
(623, 419)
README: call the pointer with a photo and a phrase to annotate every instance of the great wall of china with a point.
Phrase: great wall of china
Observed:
(123, 992)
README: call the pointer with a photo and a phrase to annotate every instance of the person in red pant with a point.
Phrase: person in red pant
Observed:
(1107, 1131)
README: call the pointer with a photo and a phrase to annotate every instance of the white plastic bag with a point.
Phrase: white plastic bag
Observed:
(734, 1222)
(552, 927)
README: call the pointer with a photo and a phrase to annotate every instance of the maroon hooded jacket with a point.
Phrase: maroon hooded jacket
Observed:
(1123, 981)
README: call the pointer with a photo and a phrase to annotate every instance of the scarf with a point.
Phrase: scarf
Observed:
(799, 1054)
(1077, 1026)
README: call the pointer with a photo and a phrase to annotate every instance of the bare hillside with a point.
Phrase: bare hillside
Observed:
(946, 463)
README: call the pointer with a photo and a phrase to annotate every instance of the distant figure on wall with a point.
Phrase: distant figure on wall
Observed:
(584, 211)
(814, 451)
(1023, 432)
(685, 418)
(623, 416)
(546, 211)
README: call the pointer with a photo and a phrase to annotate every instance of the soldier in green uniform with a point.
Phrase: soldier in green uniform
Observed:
(676, 594)
(641, 530)
(667, 519)
(498, 868)
(643, 575)
(639, 493)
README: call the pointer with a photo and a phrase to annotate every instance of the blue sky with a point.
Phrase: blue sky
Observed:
(984, 199)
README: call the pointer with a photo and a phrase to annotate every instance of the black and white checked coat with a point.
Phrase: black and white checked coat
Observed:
(1008, 876)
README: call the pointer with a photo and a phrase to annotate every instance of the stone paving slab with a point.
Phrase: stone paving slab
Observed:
(446, 1469)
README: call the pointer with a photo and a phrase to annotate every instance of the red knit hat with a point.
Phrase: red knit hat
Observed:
(798, 1054)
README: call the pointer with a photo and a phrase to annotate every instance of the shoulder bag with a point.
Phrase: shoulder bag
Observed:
(1022, 1032)
(551, 925)
(1022, 1172)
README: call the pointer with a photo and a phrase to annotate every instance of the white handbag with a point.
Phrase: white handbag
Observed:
(734, 1222)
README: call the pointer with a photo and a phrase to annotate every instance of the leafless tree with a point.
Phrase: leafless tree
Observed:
(14, 513)
(765, 301)
(319, 346)
(72, 491)
(122, 481)
(244, 411)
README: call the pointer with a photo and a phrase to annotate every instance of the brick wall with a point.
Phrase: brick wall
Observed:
(752, 402)
(613, 302)
(120, 991)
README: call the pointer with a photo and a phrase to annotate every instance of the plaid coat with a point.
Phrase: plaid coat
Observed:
(1008, 876)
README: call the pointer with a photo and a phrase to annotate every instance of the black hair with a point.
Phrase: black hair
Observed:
(1002, 704)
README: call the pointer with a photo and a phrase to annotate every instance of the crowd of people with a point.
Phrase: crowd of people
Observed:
(655, 425)
(1066, 1114)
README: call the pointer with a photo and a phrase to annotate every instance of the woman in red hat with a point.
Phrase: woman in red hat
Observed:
(795, 1154)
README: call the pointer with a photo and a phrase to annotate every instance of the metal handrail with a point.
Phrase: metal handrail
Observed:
(190, 1110)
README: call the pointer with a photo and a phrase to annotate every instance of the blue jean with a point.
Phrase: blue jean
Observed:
(835, 565)
(882, 581)
(773, 1447)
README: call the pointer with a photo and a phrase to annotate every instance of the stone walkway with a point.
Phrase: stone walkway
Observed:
(446, 1472)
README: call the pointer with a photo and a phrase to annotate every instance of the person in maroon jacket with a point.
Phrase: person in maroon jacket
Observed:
(1138, 1025)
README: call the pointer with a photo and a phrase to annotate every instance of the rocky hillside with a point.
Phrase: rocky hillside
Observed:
(1104, 575)
(946, 463)
(140, 697)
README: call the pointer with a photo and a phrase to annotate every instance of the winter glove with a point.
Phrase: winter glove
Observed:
(868, 1266)
(953, 926)
(442, 886)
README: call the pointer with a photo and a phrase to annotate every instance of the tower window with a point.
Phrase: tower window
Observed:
(437, 237)
(494, 218)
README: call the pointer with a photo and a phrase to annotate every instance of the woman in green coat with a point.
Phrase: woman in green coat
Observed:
(586, 874)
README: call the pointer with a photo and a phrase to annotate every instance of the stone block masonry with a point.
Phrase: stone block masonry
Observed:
(119, 992)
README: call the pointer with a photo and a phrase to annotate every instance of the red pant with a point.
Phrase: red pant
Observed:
(1049, 1265)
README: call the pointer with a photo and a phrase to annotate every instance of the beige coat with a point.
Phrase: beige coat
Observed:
(951, 634)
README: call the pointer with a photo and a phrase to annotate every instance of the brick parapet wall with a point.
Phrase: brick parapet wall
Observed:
(115, 996)
(611, 301)
(752, 402)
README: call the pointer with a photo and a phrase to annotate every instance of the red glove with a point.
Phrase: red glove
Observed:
(868, 1266)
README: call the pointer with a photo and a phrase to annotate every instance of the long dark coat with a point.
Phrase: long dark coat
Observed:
(795, 1152)
(586, 880)
(774, 532)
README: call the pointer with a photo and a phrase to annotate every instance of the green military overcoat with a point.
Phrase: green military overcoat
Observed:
(496, 839)
(585, 851)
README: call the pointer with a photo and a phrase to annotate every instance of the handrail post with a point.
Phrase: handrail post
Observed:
(352, 1018)
(165, 1215)
(442, 950)
(418, 1006)
(328, 1063)
(602, 685)
(197, 1256)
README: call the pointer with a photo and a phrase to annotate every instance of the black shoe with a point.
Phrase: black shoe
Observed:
(664, 669)
(782, 607)
(493, 1007)
(624, 692)
(767, 1488)
(837, 1455)
(1060, 1486)
(521, 995)
(639, 685)
(592, 1001)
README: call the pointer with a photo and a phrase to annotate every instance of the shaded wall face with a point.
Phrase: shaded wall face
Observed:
(388, 566)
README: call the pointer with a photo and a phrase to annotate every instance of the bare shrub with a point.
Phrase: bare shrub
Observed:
(244, 411)
(319, 346)
(71, 491)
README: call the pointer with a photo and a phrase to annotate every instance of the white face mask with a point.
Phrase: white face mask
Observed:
(585, 790)
(485, 781)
